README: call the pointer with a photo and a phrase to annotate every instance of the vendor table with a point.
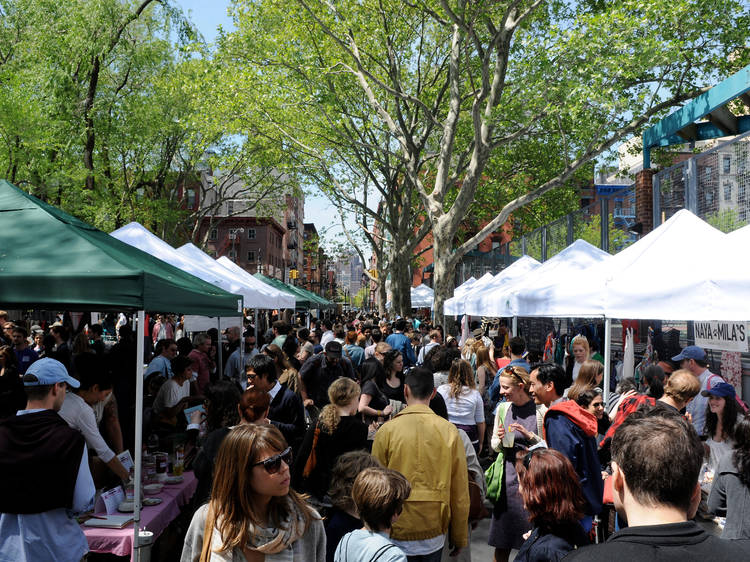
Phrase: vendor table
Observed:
(154, 518)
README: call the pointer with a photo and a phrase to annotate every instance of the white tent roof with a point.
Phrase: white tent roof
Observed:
(136, 235)
(572, 287)
(422, 296)
(679, 272)
(272, 298)
(452, 305)
(477, 301)
(455, 305)
(501, 301)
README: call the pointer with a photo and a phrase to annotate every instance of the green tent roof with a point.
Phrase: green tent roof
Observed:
(304, 298)
(51, 259)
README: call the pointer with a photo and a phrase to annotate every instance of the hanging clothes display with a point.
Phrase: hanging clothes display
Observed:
(628, 360)
(549, 348)
(731, 369)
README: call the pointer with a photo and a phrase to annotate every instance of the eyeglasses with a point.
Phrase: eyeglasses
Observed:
(273, 464)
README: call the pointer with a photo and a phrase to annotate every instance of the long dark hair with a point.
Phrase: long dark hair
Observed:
(373, 370)
(388, 359)
(728, 418)
(654, 376)
(222, 398)
(741, 454)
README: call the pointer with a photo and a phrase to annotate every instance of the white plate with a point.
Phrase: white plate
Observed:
(152, 501)
(126, 507)
(174, 479)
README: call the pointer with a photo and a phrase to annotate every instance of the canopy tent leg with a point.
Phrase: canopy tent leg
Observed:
(140, 330)
(514, 326)
(218, 349)
(607, 357)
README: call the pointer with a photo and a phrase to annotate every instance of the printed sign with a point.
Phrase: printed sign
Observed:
(109, 500)
(727, 336)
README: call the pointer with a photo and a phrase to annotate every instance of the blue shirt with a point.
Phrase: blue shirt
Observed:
(160, 364)
(400, 342)
(25, 358)
(53, 535)
(363, 546)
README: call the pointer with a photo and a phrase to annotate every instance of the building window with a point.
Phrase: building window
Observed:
(190, 193)
(213, 234)
(230, 207)
(741, 193)
(726, 163)
(251, 234)
(251, 257)
(233, 255)
(709, 197)
(727, 191)
(708, 170)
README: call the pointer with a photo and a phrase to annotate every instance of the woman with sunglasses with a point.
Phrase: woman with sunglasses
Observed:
(553, 497)
(253, 514)
(517, 425)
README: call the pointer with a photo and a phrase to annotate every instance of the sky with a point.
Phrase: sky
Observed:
(208, 15)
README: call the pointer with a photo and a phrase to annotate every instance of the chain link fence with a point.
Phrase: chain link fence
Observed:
(713, 184)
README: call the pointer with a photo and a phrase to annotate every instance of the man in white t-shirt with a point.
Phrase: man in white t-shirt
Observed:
(78, 410)
(174, 394)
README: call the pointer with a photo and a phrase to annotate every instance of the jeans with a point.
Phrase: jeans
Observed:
(433, 557)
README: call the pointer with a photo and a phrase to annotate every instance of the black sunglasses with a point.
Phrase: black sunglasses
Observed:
(527, 459)
(273, 464)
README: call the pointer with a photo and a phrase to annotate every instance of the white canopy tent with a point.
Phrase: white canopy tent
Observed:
(474, 302)
(272, 298)
(458, 293)
(138, 236)
(422, 296)
(672, 273)
(457, 303)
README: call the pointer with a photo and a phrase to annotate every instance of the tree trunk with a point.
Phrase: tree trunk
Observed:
(400, 281)
(443, 279)
(382, 296)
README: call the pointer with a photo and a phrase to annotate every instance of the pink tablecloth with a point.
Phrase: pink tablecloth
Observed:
(154, 518)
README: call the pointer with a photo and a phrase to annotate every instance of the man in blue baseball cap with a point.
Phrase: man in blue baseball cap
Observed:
(693, 358)
(44, 473)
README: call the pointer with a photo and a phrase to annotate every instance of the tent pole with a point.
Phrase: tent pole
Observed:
(140, 329)
(607, 354)
(218, 349)
(514, 326)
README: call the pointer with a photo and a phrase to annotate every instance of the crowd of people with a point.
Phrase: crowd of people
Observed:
(358, 439)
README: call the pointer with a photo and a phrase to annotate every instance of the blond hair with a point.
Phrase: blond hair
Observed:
(581, 340)
(341, 393)
(682, 385)
(517, 375)
(586, 378)
(459, 376)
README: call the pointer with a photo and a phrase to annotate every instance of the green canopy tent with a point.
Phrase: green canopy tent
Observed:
(304, 298)
(50, 258)
(53, 260)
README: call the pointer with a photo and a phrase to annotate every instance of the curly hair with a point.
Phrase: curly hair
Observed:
(460, 375)
(341, 392)
(343, 474)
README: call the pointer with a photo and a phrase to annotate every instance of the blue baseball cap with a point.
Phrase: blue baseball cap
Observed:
(721, 390)
(49, 371)
(690, 352)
